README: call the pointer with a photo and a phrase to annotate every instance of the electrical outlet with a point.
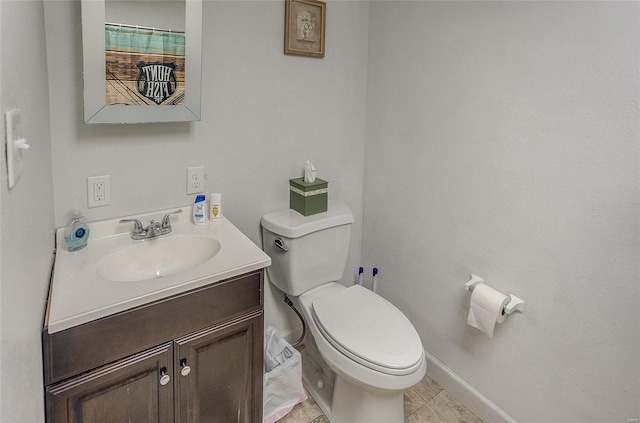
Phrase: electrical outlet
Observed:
(195, 179)
(98, 191)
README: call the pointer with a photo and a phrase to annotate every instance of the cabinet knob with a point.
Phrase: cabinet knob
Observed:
(164, 377)
(184, 369)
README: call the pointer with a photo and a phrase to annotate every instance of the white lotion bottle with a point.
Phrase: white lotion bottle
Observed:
(199, 210)
(215, 207)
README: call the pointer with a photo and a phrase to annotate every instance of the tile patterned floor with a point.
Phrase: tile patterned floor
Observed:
(426, 402)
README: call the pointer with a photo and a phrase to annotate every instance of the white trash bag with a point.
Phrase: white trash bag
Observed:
(282, 381)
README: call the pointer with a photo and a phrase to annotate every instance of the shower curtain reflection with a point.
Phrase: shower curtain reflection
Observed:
(144, 66)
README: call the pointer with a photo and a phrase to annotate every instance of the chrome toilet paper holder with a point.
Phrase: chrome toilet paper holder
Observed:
(514, 304)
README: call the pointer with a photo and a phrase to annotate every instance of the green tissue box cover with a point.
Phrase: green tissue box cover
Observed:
(308, 198)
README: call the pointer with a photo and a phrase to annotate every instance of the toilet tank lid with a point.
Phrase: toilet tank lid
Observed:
(291, 224)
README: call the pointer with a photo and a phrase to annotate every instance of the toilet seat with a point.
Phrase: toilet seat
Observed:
(370, 330)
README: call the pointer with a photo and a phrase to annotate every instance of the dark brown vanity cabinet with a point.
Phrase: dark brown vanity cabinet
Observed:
(128, 390)
(221, 387)
(195, 357)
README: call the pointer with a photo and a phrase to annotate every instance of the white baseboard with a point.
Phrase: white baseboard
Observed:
(461, 390)
(469, 396)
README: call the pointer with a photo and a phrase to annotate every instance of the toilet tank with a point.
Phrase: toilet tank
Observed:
(306, 251)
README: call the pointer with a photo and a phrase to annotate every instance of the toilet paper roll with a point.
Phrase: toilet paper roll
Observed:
(485, 308)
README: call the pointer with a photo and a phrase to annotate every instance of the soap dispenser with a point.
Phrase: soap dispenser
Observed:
(76, 234)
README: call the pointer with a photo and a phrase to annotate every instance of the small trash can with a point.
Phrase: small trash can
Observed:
(282, 381)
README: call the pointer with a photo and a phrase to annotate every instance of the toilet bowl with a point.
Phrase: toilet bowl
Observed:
(375, 353)
(361, 351)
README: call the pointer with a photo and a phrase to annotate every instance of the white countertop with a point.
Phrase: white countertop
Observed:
(79, 295)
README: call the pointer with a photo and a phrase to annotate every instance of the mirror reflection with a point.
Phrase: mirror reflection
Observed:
(144, 52)
(141, 60)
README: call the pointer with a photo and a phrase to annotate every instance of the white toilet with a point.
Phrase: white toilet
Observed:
(362, 351)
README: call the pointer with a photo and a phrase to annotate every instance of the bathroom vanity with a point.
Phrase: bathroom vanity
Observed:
(185, 347)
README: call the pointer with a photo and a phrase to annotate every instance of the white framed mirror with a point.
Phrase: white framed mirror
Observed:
(141, 60)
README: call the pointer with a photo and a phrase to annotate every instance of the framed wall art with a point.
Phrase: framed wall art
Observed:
(304, 28)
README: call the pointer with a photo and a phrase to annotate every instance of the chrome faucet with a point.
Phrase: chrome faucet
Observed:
(154, 229)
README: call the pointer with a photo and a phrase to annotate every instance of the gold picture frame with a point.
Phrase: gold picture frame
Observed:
(304, 28)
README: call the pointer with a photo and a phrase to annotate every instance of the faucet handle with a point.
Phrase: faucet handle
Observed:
(137, 225)
(166, 221)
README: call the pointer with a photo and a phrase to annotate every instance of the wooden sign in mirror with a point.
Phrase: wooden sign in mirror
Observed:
(142, 60)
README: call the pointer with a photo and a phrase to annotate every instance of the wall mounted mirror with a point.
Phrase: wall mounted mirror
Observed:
(141, 60)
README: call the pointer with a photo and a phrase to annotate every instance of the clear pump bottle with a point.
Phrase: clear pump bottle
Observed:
(76, 234)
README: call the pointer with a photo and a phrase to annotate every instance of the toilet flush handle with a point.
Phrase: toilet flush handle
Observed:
(280, 244)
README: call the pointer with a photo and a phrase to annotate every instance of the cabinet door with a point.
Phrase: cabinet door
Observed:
(224, 381)
(136, 389)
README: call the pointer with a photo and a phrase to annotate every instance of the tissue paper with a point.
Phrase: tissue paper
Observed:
(309, 172)
(485, 309)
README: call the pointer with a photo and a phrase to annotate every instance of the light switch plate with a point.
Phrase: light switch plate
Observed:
(14, 144)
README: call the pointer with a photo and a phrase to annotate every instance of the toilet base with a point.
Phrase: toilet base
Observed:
(322, 392)
(345, 402)
(353, 404)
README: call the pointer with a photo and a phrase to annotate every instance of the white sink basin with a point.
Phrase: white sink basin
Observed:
(157, 257)
(115, 273)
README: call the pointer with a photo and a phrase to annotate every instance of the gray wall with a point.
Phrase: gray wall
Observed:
(263, 115)
(26, 217)
(502, 140)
